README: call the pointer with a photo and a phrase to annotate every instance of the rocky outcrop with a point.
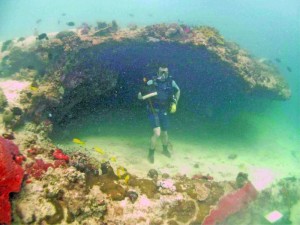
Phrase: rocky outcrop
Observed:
(74, 67)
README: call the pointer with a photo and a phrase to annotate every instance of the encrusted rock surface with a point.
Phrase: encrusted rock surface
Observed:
(60, 69)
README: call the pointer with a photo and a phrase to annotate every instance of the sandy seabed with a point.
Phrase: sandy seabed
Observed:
(268, 161)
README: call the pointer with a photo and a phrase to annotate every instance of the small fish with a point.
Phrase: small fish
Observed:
(38, 21)
(58, 21)
(78, 141)
(121, 171)
(126, 179)
(289, 69)
(42, 36)
(113, 159)
(99, 150)
(34, 88)
(278, 60)
(63, 14)
(71, 24)
(131, 15)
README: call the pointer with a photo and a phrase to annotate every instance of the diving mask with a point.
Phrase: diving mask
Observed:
(162, 73)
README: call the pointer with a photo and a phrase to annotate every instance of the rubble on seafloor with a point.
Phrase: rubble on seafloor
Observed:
(81, 190)
(84, 191)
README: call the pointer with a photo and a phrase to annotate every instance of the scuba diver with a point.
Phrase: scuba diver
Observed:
(162, 95)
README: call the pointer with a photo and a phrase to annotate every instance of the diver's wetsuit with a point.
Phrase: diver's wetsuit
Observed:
(159, 105)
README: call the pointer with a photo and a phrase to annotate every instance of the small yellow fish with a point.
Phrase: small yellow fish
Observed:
(99, 150)
(126, 179)
(78, 141)
(113, 159)
(33, 88)
(121, 171)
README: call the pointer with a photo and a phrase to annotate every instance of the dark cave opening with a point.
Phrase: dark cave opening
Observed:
(210, 88)
(213, 99)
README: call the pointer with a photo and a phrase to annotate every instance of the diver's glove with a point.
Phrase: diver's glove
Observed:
(173, 106)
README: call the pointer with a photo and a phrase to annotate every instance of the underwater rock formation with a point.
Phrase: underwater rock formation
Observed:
(282, 196)
(71, 67)
(75, 193)
(11, 174)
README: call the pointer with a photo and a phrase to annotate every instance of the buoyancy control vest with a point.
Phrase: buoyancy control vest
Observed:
(164, 95)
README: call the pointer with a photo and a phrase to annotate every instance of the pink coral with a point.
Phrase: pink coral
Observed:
(11, 174)
(231, 204)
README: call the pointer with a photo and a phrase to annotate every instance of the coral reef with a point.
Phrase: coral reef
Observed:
(281, 196)
(84, 191)
(166, 186)
(68, 69)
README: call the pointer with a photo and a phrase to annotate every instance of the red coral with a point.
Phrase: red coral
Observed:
(58, 154)
(32, 151)
(19, 159)
(11, 174)
(230, 204)
(38, 168)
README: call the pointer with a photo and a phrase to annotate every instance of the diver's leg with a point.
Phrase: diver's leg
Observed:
(155, 137)
(165, 141)
(164, 138)
(153, 141)
(164, 133)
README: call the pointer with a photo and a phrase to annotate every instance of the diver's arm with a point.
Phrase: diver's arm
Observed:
(177, 94)
(140, 97)
(150, 82)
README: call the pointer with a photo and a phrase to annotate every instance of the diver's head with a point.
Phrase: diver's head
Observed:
(163, 73)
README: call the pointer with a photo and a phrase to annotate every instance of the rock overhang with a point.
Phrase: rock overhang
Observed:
(74, 66)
